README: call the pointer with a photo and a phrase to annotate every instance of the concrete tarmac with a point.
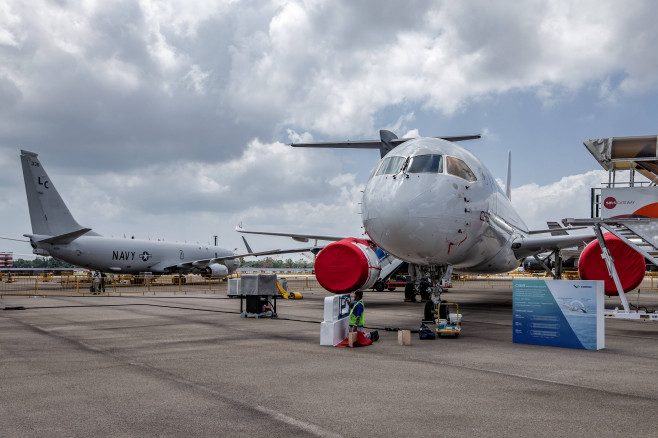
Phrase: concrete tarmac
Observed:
(191, 366)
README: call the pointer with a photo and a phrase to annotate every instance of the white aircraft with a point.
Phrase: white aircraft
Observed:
(57, 234)
(435, 206)
(576, 306)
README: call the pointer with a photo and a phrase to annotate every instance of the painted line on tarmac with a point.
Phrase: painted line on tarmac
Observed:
(275, 415)
(278, 416)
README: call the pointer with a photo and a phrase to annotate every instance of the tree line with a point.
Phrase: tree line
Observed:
(41, 262)
(269, 262)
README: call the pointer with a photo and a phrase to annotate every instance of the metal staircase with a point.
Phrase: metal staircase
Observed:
(641, 234)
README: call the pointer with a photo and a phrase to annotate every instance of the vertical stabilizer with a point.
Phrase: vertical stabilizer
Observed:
(48, 213)
(508, 186)
(386, 146)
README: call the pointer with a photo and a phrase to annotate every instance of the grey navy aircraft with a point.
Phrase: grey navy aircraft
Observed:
(434, 205)
(57, 234)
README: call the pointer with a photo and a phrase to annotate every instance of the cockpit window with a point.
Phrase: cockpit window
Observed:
(425, 164)
(457, 167)
(391, 166)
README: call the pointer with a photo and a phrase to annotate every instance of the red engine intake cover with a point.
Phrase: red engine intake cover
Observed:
(630, 264)
(346, 266)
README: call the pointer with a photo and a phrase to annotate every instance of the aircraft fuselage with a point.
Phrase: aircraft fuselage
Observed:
(133, 256)
(455, 214)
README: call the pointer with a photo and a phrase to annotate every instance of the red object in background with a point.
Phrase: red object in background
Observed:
(343, 267)
(630, 264)
(361, 341)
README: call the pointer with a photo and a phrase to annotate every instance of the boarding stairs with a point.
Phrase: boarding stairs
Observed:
(641, 234)
(390, 266)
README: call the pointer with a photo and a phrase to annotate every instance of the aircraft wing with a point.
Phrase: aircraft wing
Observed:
(205, 262)
(560, 231)
(313, 249)
(528, 246)
(297, 237)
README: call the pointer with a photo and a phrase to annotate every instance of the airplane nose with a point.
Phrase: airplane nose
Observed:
(404, 217)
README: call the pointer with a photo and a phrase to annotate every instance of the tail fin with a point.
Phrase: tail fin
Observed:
(247, 245)
(48, 213)
(508, 187)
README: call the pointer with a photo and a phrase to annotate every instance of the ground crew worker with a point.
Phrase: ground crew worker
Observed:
(357, 316)
(96, 287)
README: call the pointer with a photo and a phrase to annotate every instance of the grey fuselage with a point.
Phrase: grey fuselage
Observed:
(134, 256)
(439, 218)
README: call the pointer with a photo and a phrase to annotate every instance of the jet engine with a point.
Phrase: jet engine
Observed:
(347, 265)
(630, 264)
(215, 270)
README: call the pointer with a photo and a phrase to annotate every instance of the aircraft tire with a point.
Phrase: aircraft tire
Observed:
(379, 286)
(409, 292)
(428, 314)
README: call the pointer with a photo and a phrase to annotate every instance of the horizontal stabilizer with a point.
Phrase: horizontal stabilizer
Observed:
(62, 238)
(16, 240)
(372, 144)
(387, 142)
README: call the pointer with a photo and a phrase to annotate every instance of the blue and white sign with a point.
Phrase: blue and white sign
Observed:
(559, 313)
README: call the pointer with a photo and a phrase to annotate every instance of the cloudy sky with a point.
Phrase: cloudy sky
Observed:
(170, 119)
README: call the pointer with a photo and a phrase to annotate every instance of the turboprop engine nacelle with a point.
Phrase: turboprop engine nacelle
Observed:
(215, 270)
(347, 265)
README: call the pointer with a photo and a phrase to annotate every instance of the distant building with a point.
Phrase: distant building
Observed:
(6, 259)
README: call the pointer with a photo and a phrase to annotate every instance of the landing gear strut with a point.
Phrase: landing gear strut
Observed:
(433, 290)
(428, 281)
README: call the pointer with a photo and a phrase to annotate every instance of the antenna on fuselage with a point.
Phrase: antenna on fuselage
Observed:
(508, 187)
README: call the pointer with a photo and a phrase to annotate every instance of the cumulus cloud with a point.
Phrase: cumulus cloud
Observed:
(568, 197)
(161, 113)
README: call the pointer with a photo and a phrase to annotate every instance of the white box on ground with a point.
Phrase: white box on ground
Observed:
(233, 287)
(335, 327)
(332, 333)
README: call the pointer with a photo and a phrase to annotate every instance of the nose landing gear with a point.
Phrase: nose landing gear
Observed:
(429, 286)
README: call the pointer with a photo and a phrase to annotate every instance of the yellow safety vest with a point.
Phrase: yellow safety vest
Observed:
(357, 320)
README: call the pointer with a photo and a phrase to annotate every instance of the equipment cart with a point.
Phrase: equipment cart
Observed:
(449, 321)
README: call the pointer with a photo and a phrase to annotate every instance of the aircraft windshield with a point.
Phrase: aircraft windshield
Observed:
(425, 164)
(457, 167)
(391, 166)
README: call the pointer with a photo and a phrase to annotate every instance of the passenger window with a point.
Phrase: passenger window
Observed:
(425, 164)
(457, 167)
(391, 166)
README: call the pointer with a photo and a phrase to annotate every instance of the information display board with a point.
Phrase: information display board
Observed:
(559, 313)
